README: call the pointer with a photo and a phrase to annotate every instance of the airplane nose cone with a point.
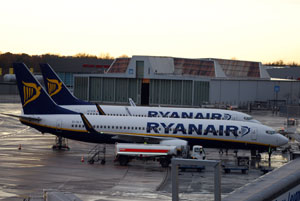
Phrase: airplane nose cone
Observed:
(281, 140)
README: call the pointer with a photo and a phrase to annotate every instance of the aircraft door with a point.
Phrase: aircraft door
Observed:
(58, 125)
(254, 134)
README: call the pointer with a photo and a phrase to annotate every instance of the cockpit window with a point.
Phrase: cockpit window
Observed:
(248, 118)
(270, 132)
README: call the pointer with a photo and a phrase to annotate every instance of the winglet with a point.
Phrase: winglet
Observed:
(101, 112)
(132, 103)
(87, 124)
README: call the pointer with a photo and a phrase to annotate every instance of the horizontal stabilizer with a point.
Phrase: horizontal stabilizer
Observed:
(22, 117)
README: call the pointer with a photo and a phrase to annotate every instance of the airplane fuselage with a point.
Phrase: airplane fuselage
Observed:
(165, 112)
(208, 133)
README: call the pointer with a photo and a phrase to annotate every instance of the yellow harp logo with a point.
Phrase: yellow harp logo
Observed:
(30, 92)
(54, 86)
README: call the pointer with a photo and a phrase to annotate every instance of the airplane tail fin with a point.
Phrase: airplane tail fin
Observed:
(57, 89)
(33, 97)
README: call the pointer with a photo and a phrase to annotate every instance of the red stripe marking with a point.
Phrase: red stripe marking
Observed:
(102, 66)
(95, 66)
(144, 150)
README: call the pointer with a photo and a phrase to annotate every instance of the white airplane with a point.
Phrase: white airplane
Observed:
(41, 113)
(63, 97)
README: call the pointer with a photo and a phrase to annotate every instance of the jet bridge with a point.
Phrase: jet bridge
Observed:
(280, 184)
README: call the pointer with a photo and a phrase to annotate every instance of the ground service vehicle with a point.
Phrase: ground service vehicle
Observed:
(198, 153)
(125, 152)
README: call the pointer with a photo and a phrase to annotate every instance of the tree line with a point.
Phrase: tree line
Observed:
(281, 63)
(6, 59)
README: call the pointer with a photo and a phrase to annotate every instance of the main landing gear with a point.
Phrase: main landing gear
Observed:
(60, 144)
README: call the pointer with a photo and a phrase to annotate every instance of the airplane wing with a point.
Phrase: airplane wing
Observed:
(22, 117)
(125, 137)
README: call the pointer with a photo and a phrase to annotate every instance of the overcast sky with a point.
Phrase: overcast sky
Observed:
(258, 30)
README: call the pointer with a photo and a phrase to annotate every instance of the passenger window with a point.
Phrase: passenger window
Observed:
(108, 127)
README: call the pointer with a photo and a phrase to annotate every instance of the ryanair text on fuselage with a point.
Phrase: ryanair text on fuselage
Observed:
(199, 129)
(191, 115)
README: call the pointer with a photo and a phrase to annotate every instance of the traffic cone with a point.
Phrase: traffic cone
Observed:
(20, 147)
(82, 159)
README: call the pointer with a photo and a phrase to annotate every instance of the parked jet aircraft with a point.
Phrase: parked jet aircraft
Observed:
(63, 97)
(41, 113)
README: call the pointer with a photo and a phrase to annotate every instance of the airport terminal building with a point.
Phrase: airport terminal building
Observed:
(170, 81)
(151, 80)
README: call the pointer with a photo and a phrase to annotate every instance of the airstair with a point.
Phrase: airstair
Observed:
(60, 144)
(97, 153)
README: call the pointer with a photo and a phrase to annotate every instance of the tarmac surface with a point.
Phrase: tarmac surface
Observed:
(27, 172)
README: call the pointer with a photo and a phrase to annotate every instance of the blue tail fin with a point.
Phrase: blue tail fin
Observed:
(57, 89)
(34, 98)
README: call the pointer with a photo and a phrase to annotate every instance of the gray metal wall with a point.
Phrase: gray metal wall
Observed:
(178, 92)
(161, 92)
(240, 92)
(106, 90)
